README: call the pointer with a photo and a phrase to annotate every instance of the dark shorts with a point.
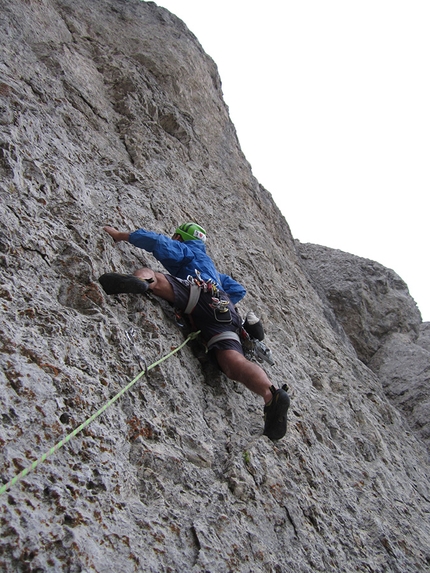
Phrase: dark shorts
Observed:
(203, 317)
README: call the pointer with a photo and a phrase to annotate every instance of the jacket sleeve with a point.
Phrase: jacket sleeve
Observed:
(173, 255)
(235, 290)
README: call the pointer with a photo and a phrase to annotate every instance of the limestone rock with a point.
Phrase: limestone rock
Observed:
(369, 300)
(111, 113)
(403, 367)
(383, 324)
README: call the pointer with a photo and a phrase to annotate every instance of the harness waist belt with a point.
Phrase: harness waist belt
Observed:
(228, 335)
(193, 298)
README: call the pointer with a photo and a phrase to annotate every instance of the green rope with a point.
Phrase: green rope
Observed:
(87, 422)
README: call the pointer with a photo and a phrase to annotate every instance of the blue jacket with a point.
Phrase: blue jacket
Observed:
(183, 259)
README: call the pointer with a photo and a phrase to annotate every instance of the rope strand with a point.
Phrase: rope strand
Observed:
(87, 422)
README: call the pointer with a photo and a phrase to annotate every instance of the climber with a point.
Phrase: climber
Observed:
(195, 287)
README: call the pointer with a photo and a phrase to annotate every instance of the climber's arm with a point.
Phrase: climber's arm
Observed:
(116, 235)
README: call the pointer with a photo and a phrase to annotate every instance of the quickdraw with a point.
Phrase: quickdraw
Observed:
(219, 305)
(255, 348)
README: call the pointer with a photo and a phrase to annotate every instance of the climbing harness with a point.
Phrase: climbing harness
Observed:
(219, 305)
(197, 286)
(223, 336)
(252, 344)
(87, 422)
(195, 291)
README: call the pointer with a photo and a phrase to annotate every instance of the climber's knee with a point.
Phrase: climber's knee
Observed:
(158, 283)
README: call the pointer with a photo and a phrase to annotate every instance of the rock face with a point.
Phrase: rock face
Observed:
(403, 366)
(370, 301)
(111, 113)
(382, 322)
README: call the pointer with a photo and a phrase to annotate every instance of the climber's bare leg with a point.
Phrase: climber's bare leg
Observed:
(160, 286)
(236, 367)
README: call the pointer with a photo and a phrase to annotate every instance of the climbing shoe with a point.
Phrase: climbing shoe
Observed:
(275, 414)
(115, 283)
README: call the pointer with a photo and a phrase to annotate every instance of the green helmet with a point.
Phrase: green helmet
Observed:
(191, 232)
